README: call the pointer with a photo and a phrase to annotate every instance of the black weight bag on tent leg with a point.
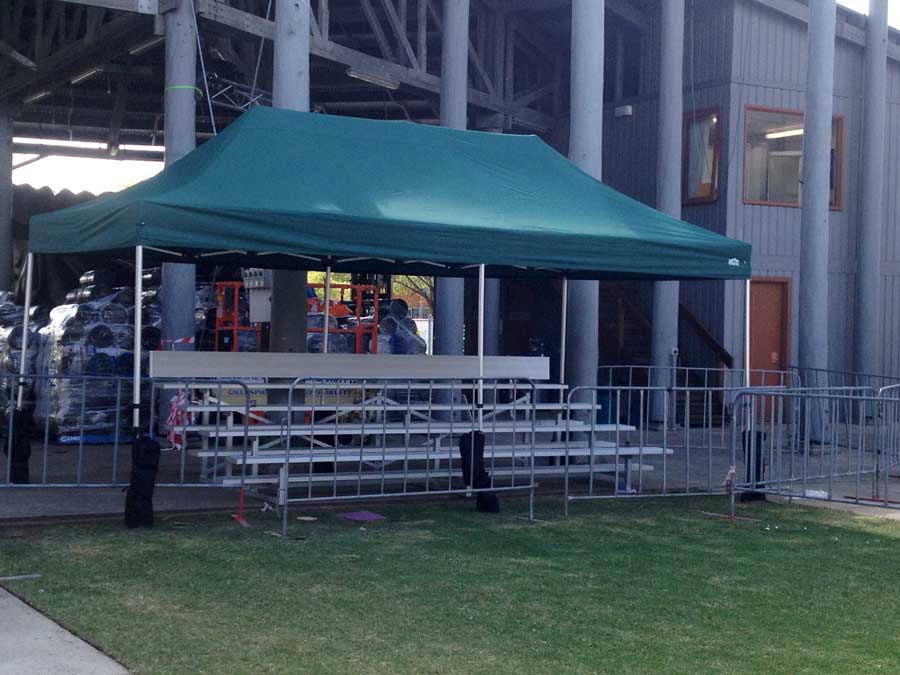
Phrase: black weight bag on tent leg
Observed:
(139, 497)
(19, 448)
(471, 454)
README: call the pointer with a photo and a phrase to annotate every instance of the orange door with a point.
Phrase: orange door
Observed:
(769, 321)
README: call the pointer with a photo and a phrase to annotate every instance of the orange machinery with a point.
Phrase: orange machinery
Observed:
(228, 317)
(229, 326)
(338, 309)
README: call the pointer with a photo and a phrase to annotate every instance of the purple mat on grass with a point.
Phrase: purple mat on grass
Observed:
(362, 516)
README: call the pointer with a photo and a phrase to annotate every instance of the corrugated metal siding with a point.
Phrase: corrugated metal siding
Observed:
(769, 69)
(740, 53)
(890, 325)
(768, 48)
(706, 299)
(629, 151)
(707, 41)
(890, 328)
(630, 147)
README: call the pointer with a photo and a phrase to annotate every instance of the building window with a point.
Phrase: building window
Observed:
(700, 173)
(773, 157)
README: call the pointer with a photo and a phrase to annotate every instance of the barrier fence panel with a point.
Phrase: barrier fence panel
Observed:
(75, 431)
(840, 445)
(360, 439)
(628, 453)
(683, 410)
(288, 442)
(889, 397)
(819, 378)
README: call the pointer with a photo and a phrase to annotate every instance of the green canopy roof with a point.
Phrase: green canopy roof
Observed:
(286, 189)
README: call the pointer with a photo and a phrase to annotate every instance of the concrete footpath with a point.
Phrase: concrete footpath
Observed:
(32, 644)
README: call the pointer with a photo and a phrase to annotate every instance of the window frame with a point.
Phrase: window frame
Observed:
(836, 120)
(689, 117)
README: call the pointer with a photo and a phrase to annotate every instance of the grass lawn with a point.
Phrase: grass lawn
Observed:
(629, 587)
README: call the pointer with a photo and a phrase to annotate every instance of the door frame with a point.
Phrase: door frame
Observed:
(786, 283)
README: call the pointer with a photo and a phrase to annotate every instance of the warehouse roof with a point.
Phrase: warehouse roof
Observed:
(287, 189)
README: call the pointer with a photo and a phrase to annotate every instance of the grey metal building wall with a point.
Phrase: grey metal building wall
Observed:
(742, 53)
(630, 148)
(707, 67)
(890, 330)
(769, 69)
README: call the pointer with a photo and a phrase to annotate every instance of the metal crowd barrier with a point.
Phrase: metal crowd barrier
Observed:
(651, 456)
(837, 444)
(399, 438)
(820, 378)
(889, 412)
(79, 432)
(316, 440)
(683, 379)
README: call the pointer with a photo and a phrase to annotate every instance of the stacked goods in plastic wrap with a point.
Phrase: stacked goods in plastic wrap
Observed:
(398, 333)
(11, 342)
(11, 316)
(10, 313)
(87, 350)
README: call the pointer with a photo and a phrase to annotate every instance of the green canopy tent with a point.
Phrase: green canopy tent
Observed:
(282, 189)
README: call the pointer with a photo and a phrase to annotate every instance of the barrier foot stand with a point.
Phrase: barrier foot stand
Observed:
(731, 517)
(239, 516)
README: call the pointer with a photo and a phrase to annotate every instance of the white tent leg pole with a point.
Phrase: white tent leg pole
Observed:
(23, 359)
(747, 333)
(563, 330)
(138, 320)
(327, 307)
(480, 348)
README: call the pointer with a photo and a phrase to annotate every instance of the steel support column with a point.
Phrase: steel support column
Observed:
(585, 150)
(6, 199)
(492, 302)
(449, 293)
(178, 284)
(814, 230)
(290, 89)
(867, 346)
(664, 345)
(178, 281)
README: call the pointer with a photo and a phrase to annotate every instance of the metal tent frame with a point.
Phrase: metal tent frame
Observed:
(138, 291)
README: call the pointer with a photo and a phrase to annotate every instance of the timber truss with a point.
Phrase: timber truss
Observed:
(93, 70)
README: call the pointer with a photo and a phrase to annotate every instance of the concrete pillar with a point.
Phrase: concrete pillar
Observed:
(6, 200)
(290, 76)
(449, 293)
(814, 229)
(586, 151)
(867, 346)
(290, 89)
(664, 343)
(492, 317)
(178, 280)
